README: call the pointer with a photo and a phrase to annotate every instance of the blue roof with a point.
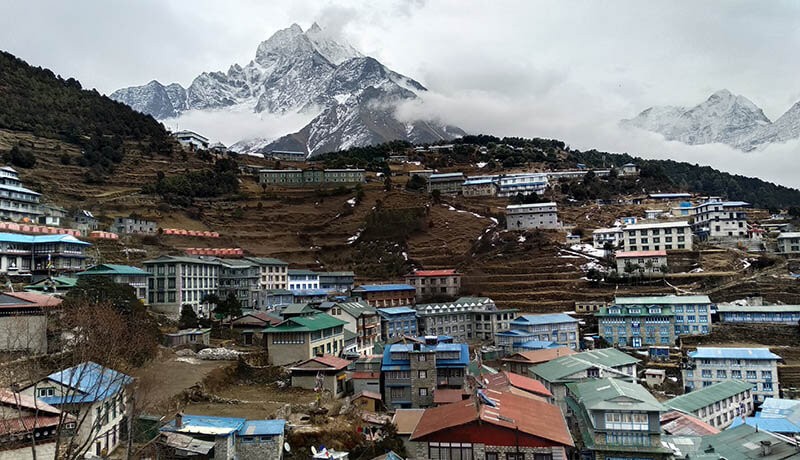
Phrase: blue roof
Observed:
(20, 238)
(90, 381)
(539, 345)
(732, 353)
(776, 415)
(206, 424)
(552, 318)
(773, 425)
(309, 292)
(397, 364)
(263, 428)
(514, 333)
(384, 287)
(478, 181)
(397, 311)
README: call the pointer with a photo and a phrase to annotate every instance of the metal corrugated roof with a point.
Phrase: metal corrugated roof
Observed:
(706, 396)
(663, 300)
(600, 394)
(733, 353)
(551, 318)
(565, 366)
(384, 287)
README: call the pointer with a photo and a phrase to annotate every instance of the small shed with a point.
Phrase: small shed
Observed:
(654, 377)
(188, 337)
(367, 401)
(331, 369)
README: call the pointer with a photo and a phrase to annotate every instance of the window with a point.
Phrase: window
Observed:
(44, 392)
(422, 374)
(492, 456)
(515, 456)
(450, 451)
(423, 392)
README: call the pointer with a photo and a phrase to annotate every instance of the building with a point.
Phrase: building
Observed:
(655, 237)
(406, 421)
(757, 366)
(98, 399)
(85, 222)
(518, 363)
(678, 423)
(16, 202)
(275, 298)
(240, 278)
(288, 155)
(362, 319)
(52, 285)
(134, 225)
(411, 372)
(24, 318)
(303, 337)
(629, 169)
(28, 425)
(572, 174)
(194, 336)
(134, 277)
(720, 219)
(386, 295)
(446, 184)
(741, 442)
(39, 256)
(466, 319)
(692, 312)
(337, 281)
(517, 384)
(718, 404)
(587, 307)
(788, 242)
(603, 238)
(222, 438)
(310, 177)
(180, 280)
(537, 215)
(366, 375)
(617, 420)
(434, 283)
(492, 426)
(330, 369)
(302, 280)
(644, 263)
(594, 364)
(557, 327)
(776, 415)
(758, 314)
(191, 140)
(654, 377)
(398, 322)
(273, 273)
(636, 326)
(479, 186)
(521, 184)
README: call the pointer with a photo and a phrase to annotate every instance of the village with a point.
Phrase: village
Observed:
(673, 334)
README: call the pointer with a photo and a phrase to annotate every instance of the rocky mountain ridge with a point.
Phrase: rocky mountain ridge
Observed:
(724, 118)
(354, 96)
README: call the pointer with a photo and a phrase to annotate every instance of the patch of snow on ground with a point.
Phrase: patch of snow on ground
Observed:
(696, 270)
(481, 164)
(352, 202)
(405, 255)
(591, 265)
(355, 237)
(521, 239)
(588, 249)
(745, 264)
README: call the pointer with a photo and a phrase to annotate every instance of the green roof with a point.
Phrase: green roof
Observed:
(301, 271)
(356, 309)
(311, 323)
(560, 368)
(349, 335)
(663, 300)
(60, 282)
(696, 400)
(742, 442)
(113, 269)
(297, 309)
(336, 273)
(611, 394)
(181, 259)
(266, 261)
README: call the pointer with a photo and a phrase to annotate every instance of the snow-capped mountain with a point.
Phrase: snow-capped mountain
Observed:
(725, 118)
(354, 96)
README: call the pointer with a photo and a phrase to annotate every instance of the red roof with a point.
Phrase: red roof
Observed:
(529, 416)
(365, 375)
(426, 273)
(39, 414)
(368, 394)
(540, 356)
(332, 362)
(631, 254)
(446, 396)
(34, 299)
(681, 424)
(502, 380)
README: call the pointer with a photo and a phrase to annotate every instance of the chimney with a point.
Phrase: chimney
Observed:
(766, 448)
(179, 420)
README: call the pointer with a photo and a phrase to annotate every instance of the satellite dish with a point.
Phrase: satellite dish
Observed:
(287, 447)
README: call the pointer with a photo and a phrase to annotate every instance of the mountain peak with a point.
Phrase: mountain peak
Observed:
(722, 94)
(314, 28)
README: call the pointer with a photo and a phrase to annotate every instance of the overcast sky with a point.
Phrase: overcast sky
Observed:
(563, 69)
